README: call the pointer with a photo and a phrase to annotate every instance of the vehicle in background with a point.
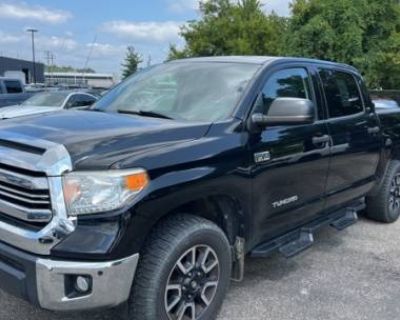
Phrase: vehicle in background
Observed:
(44, 102)
(385, 104)
(12, 92)
(35, 87)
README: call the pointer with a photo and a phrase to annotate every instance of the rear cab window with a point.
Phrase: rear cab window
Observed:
(13, 86)
(342, 93)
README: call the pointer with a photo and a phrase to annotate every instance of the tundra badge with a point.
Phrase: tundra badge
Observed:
(285, 202)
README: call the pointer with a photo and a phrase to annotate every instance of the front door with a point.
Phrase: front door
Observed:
(290, 163)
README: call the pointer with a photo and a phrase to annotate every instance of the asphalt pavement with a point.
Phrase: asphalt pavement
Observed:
(352, 275)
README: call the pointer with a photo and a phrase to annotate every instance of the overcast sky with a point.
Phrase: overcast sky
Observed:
(74, 30)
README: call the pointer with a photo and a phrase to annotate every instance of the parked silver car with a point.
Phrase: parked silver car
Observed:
(49, 102)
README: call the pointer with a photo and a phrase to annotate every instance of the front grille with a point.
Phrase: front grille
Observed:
(24, 195)
(30, 192)
(32, 199)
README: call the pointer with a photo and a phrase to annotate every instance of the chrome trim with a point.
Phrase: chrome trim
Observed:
(10, 195)
(41, 242)
(111, 283)
(19, 159)
(19, 180)
(26, 195)
(54, 161)
(25, 214)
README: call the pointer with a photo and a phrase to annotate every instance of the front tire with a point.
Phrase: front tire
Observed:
(184, 271)
(385, 205)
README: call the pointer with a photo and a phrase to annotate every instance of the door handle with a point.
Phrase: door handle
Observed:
(374, 130)
(320, 140)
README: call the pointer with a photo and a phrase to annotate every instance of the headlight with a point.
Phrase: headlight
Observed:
(93, 192)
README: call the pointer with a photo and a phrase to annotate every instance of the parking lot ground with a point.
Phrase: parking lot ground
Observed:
(352, 275)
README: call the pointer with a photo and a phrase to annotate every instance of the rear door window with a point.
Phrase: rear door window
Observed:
(13, 86)
(342, 93)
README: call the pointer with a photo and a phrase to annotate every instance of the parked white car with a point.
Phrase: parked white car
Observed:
(48, 102)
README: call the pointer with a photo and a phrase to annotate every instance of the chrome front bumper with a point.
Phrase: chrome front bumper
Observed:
(110, 283)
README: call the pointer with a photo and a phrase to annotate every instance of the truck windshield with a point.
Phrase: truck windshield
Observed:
(192, 91)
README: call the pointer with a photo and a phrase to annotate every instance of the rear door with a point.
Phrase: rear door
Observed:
(355, 137)
(289, 182)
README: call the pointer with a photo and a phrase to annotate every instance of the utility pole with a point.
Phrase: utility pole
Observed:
(50, 59)
(33, 31)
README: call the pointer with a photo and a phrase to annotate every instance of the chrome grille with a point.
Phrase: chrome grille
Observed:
(24, 195)
(33, 216)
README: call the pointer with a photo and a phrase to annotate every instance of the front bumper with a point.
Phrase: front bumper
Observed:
(50, 284)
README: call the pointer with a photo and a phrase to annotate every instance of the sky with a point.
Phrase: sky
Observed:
(95, 33)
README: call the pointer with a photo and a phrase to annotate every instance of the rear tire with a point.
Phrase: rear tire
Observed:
(172, 276)
(385, 205)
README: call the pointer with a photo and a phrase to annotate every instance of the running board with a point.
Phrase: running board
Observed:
(297, 241)
(305, 241)
(350, 218)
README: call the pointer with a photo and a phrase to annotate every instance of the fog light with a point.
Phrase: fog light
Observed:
(82, 284)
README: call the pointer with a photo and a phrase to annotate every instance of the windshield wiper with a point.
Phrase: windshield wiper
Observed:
(144, 113)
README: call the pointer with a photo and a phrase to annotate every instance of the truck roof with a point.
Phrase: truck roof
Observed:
(262, 60)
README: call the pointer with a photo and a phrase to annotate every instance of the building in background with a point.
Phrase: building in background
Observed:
(76, 79)
(21, 69)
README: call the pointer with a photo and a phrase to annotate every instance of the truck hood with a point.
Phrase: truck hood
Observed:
(19, 111)
(97, 140)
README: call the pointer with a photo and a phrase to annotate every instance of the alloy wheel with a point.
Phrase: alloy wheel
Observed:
(192, 284)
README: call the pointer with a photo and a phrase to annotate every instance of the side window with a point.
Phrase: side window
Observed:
(80, 100)
(13, 86)
(288, 83)
(86, 100)
(71, 102)
(342, 93)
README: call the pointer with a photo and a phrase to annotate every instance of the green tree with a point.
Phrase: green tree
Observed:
(364, 33)
(55, 68)
(131, 63)
(231, 28)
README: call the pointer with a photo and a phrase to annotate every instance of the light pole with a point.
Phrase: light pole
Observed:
(33, 31)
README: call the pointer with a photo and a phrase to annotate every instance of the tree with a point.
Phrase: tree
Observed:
(231, 28)
(364, 33)
(131, 63)
(55, 68)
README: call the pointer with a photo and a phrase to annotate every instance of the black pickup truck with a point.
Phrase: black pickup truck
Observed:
(152, 199)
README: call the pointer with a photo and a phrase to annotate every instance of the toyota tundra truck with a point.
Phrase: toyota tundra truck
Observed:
(152, 199)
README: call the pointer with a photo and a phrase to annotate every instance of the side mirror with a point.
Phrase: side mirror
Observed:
(286, 111)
